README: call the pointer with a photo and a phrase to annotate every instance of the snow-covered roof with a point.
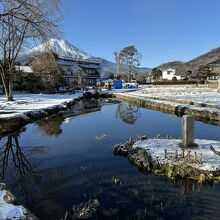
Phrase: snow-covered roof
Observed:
(91, 66)
(25, 69)
(65, 62)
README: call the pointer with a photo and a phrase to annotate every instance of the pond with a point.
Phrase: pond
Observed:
(58, 163)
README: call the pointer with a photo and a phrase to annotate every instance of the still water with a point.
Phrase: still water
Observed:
(58, 163)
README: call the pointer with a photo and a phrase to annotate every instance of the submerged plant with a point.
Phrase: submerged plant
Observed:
(102, 137)
(85, 210)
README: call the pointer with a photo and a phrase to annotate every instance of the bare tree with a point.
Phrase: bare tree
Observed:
(80, 78)
(47, 71)
(132, 58)
(119, 62)
(22, 22)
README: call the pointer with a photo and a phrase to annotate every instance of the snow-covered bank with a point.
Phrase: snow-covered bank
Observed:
(184, 94)
(166, 157)
(8, 210)
(32, 102)
(28, 108)
(209, 160)
(202, 111)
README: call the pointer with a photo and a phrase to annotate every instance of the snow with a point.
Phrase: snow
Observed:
(156, 148)
(10, 211)
(115, 91)
(26, 102)
(60, 47)
(181, 93)
(25, 69)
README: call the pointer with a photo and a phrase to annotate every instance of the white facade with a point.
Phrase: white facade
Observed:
(24, 69)
(169, 74)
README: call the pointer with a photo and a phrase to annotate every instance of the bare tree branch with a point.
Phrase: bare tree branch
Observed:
(22, 22)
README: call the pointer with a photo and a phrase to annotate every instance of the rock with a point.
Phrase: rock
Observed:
(169, 173)
(141, 138)
(3, 186)
(210, 177)
(141, 152)
(146, 165)
(201, 178)
(137, 162)
(8, 197)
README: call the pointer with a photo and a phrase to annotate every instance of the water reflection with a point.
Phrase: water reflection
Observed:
(81, 108)
(64, 166)
(16, 167)
(51, 126)
(128, 113)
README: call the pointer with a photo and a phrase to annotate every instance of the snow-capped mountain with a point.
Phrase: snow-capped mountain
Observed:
(61, 47)
(66, 50)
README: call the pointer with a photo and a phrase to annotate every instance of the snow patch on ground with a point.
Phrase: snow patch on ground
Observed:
(183, 93)
(25, 102)
(10, 211)
(156, 148)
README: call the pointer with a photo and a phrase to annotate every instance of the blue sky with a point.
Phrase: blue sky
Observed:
(162, 30)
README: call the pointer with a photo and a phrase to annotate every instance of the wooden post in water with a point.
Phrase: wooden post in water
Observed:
(188, 131)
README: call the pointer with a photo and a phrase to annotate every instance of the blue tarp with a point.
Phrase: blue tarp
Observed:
(117, 84)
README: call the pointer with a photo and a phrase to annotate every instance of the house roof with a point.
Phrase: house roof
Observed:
(65, 62)
(91, 66)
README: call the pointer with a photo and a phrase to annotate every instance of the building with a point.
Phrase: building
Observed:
(215, 70)
(170, 74)
(89, 70)
(167, 74)
(73, 62)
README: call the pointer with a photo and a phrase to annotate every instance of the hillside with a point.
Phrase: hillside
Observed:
(193, 64)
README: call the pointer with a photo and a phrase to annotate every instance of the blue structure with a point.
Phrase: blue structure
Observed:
(117, 84)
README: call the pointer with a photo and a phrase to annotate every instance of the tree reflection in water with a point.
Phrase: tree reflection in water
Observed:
(128, 113)
(51, 126)
(16, 169)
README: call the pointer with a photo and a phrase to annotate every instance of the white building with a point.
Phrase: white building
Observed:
(169, 74)
(24, 69)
